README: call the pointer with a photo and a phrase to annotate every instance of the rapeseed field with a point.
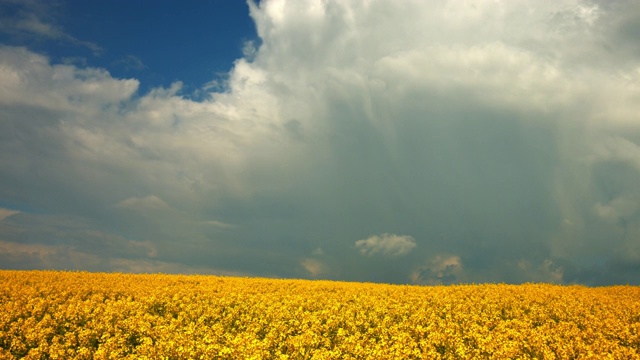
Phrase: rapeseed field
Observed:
(79, 315)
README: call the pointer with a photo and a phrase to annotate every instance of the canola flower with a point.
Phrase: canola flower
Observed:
(79, 315)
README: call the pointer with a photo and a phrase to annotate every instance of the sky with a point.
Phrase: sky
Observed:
(411, 142)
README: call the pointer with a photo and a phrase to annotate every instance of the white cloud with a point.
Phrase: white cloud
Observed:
(29, 79)
(386, 244)
(482, 126)
(314, 267)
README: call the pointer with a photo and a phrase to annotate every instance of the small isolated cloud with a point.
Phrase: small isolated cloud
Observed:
(387, 244)
(314, 267)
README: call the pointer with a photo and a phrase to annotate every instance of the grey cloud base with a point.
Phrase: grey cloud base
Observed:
(404, 142)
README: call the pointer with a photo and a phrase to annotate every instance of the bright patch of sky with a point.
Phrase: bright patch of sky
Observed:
(394, 141)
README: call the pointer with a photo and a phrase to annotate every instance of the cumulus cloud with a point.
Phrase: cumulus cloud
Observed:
(505, 133)
(386, 244)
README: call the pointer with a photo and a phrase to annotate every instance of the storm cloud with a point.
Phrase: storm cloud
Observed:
(501, 139)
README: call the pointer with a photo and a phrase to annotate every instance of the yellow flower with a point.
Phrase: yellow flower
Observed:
(78, 315)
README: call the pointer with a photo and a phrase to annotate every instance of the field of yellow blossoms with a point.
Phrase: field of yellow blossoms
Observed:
(78, 315)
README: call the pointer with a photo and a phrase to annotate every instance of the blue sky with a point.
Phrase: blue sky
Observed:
(157, 43)
(388, 141)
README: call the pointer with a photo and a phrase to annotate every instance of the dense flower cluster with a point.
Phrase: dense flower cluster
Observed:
(67, 315)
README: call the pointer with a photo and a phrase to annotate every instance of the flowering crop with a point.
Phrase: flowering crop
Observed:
(67, 315)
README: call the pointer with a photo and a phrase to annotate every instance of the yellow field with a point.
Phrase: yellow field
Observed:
(66, 315)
